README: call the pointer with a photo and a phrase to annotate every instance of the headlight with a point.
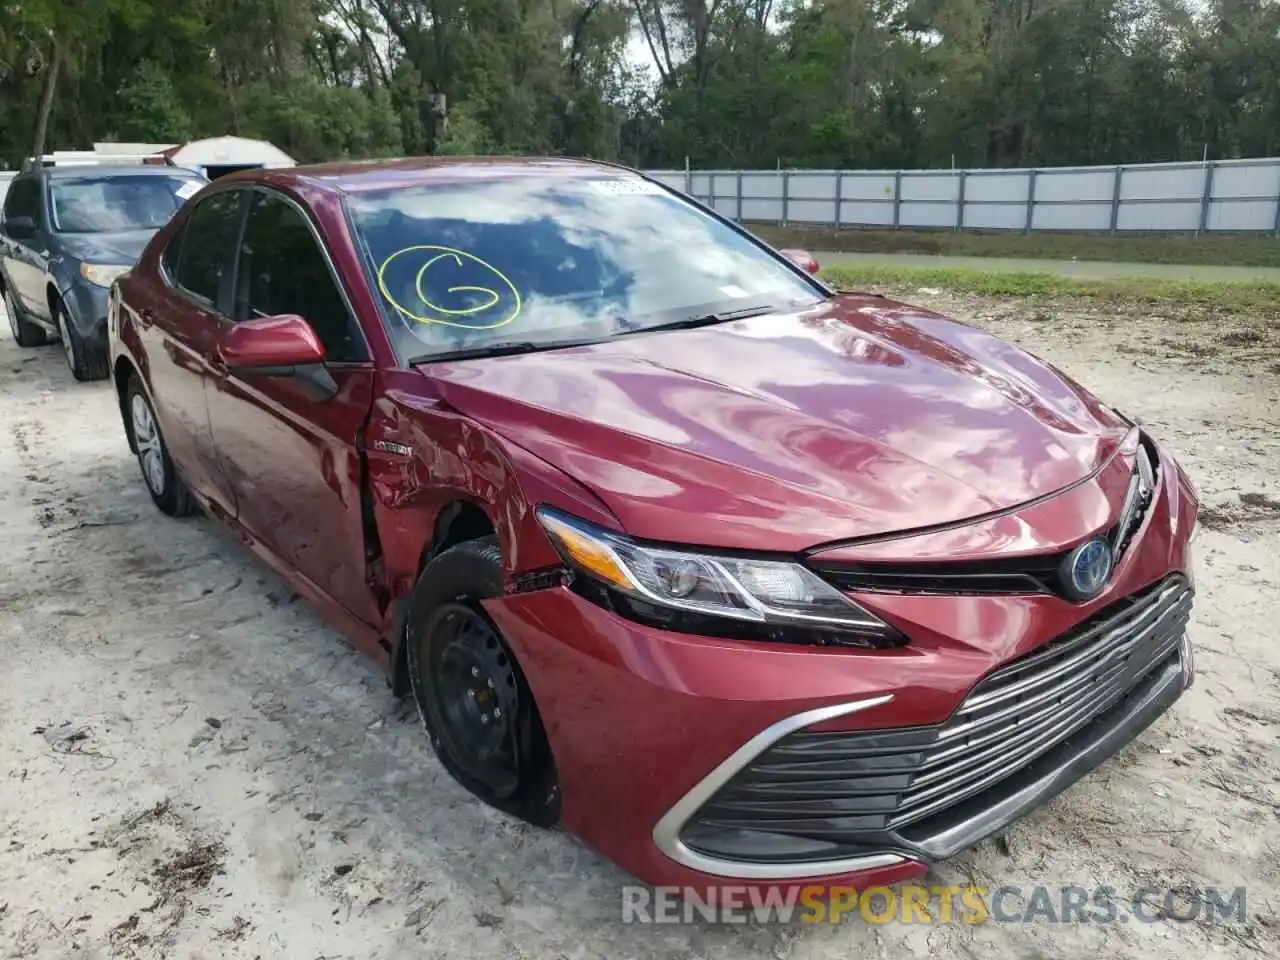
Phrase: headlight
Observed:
(102, 274)
(776, 597)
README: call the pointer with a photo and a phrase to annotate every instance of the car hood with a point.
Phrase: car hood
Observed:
(105, 248)
(856, 418)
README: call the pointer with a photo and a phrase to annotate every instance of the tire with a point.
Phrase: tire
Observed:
(25, 333)
(461, 671)
(167, 490)
(84, 360)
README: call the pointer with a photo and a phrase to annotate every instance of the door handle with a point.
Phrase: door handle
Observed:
(217, 363)
(146, 317)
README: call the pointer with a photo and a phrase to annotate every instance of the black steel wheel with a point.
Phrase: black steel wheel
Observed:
(474, 700)
(474, 688)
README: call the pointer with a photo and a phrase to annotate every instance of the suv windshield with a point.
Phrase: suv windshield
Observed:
(118, 203)
(550, 260)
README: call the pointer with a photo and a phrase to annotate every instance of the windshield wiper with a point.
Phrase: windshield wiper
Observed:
(501, 348)
(506, 348)
(704, 320)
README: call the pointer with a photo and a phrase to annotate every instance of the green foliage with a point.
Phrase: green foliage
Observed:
(1248, 299)
(153, 109)
(1237, 249)
(312, 122)
(466, 136)
(726, 83)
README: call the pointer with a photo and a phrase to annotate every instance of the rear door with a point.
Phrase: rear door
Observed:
(291, 460)
(179, 322)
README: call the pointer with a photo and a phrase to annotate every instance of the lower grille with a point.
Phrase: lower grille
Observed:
(831, 793)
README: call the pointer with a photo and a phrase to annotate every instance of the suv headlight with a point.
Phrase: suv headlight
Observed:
(776, 597)
(100, 274)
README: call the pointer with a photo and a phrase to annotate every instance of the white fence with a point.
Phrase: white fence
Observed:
(1222, 195)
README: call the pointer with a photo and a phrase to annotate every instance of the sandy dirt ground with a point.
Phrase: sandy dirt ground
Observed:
(193, 765)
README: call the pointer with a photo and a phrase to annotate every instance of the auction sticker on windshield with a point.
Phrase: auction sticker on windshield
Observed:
(626, 188)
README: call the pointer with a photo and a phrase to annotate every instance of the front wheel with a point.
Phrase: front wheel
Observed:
(166, 488)
(474, 701)
(85, 361)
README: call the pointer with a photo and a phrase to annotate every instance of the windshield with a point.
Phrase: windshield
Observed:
(119, 203)
(549, 260)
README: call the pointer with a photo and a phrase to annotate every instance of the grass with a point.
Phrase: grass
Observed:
(1242, 250)
(1242, 298)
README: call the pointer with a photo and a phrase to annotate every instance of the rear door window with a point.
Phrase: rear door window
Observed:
(207, 244)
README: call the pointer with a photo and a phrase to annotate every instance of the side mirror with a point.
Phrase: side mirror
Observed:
(270, 346)
(280, 346)
(20, 228)
(802, 259)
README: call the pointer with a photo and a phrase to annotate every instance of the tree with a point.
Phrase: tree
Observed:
(725, 83)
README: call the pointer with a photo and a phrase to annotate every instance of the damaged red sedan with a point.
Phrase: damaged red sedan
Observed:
(743, 579)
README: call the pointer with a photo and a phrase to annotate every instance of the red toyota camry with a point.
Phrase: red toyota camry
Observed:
(743, 579)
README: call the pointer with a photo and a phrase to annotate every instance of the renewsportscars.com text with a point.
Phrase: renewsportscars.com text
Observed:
(917, 904)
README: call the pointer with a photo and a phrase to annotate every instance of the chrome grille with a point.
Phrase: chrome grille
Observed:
(840, 787)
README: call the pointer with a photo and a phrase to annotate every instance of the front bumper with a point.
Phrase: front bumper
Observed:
(1022, 735)
(698, 762)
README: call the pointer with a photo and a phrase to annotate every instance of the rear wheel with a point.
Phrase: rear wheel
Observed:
(163, 483)
(25, 333)
(85, 361)
(475, 703)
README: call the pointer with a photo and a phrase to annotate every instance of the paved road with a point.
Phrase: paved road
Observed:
(1084, 269)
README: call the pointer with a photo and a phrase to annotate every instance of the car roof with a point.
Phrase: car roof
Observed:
(359, 176)
(104, 171)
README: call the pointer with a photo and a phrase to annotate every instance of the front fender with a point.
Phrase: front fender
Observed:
(423, 456)
(423, 459)
(85, 303)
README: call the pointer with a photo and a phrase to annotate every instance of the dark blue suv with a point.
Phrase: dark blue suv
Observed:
(67, 233)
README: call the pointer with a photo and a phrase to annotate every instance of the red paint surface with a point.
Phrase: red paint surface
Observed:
(863, 420)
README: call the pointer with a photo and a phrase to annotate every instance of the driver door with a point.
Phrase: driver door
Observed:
(291, 459)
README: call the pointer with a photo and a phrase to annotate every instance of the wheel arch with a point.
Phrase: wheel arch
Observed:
(458, 521)
(503, 504)
(461, 518)
(121, 371)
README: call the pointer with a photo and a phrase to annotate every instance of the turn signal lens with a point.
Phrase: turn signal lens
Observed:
(588, 554)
